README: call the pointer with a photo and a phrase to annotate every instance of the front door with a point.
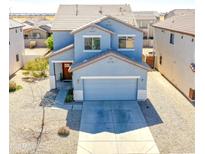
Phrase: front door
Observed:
(67, 75)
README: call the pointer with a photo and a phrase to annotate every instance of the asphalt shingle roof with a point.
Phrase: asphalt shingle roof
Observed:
(77, 64)
(69, 17)
(14, 24)
(184, 23)
(146, 15)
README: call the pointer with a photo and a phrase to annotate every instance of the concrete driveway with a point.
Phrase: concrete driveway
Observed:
(114, 127)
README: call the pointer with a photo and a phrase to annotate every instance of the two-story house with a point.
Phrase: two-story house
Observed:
(174, 44)
(144, 20)
(101, 54)
(16, 46)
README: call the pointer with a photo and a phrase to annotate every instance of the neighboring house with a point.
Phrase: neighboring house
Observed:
(16, 46)
(144, 21)
(174, 44)
(35, 36)
(100, 54)
(36, 32)
(177, 12)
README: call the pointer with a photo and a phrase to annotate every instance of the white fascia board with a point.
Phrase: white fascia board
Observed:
(92, 50)
(62, 61)
(90, 36)
(125, 49)
(128, 35)
(110, 77)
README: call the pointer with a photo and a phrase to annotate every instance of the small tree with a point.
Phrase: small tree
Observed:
(49, 42)
(37, 68)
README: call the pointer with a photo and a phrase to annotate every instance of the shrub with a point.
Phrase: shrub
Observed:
(49, 42)
(14, 87)
(69, 96)
(37, 68)
(26, 73)
(64, 131)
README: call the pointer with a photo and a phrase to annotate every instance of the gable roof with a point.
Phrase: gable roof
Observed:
(106, 54)
(182, 23)
(70, 17)
(14, 24)
(146, 15)
(108, 17)
(90, 25)
(28, 28)
(177, 12)
(71, 46)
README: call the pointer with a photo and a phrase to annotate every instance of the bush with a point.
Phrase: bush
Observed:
(37, 68)
(14, 87)
(69, 96)
(38, 64)
(64, 131)
(49, 42)
(26, 73)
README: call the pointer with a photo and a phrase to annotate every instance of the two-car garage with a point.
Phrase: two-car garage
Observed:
(110, 87)
(109, 77)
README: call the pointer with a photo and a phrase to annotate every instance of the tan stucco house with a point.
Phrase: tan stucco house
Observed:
(174, 44)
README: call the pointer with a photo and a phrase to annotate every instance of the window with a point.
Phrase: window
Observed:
(16, 31)
(126, 42)
(20, 29)
(25, 36)
(9, 43)
(160, 60)
(36, 35)
(92, 43)
(192, 40)
(182, 37)
(17, 58)
(171, 41)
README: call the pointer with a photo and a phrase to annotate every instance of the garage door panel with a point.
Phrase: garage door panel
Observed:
(110, 89)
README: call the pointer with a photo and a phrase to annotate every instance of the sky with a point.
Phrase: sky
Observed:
(50, 6)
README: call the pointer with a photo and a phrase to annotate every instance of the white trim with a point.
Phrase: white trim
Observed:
(128, 35)
(125, 49)
(61, 61)
(92, 50)
(52, 82)
(142, 95)
(78, 95)
(91, 36)
(109, 77)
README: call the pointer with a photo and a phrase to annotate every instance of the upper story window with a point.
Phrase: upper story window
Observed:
(25, 36)
(92, 43)
(126, 42)
(171, 40)
(16, 31)
(17, 57)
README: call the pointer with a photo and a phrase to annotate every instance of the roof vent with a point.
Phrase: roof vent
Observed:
(100, 11)
(76, 10)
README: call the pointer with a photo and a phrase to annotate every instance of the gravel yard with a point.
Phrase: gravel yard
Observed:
(170, 116)
(26, 116)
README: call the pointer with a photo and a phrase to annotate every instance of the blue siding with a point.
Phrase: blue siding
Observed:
(65, 56)
(119, 28)
(62, 39)
(105, 42)
(106, 68)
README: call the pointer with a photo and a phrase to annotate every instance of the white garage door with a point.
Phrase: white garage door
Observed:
(110, 89)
